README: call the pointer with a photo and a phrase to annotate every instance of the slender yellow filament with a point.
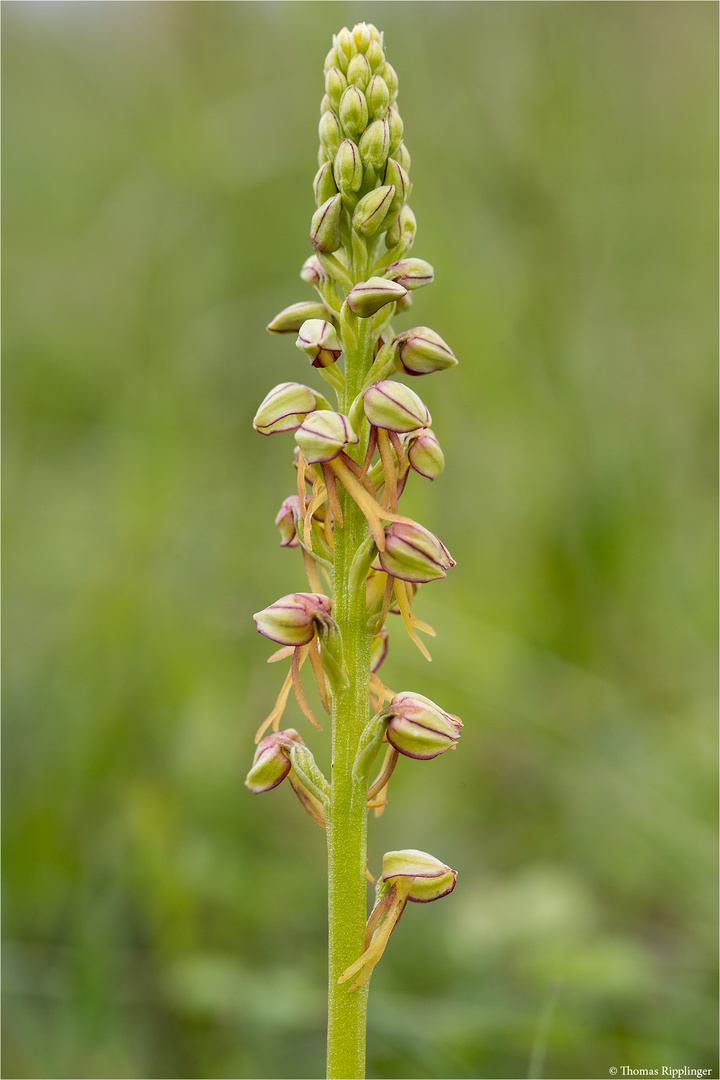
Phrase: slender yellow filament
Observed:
(297, 662)
(311, 571)
(408, 617)
(388, 768)
(279, 709)
(316, 501)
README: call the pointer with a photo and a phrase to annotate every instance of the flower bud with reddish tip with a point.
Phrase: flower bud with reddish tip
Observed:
(412, 273)
(413, 553)
(290, 319)
(431, 879)
(294, 619)
(313, 272)
(419, 728)
(322, 435)
(271, 762)
(319, 341)
(372, 210)
(424, 454)
(286, 520)
(367, 297)
(285, 408)
(325, 235)
(395, 407)
(421, 351)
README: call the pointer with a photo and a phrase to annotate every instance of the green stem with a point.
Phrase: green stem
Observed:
(347, 813)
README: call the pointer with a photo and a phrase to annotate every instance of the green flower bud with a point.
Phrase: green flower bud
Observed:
(319, 341)
(412, 273)
(390, 76)
(402, 157)
(313, 272)
(377, 96)
(431, 878)
(331, 60)
(424, 453)
(396, 129)
(348, 168)
(396, 175)
(413, 553)
(353, 112)
(395, 407)
(403, 229)
(271, 763)
(372, 210)
(346, 48)
(295, 619)
(322, 435)
(325, 225)
(290, 319)
(284, 408)
(326, 104)
(421, 351)
(375, 143)
(324, 184)
(367, 297)
(363, 34)
(330, 132)
(375, 55)
(335, 85)
(359, 73)
(419, 728)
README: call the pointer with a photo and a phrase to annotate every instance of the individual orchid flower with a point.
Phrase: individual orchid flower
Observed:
(303, 625)
(408, 875)
(284, 754)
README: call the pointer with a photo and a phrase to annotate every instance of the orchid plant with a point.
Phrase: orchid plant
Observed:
(363, 559)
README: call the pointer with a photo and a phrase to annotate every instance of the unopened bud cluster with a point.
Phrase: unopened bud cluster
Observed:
(364, 446)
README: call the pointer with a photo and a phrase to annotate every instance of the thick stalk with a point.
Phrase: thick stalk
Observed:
(347, 816)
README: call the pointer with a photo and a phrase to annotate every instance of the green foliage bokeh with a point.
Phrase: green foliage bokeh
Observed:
(160, 921)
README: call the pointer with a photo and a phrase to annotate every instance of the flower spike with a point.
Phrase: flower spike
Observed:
(364, 560)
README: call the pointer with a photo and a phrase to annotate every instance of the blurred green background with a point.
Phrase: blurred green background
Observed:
(159, 920)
